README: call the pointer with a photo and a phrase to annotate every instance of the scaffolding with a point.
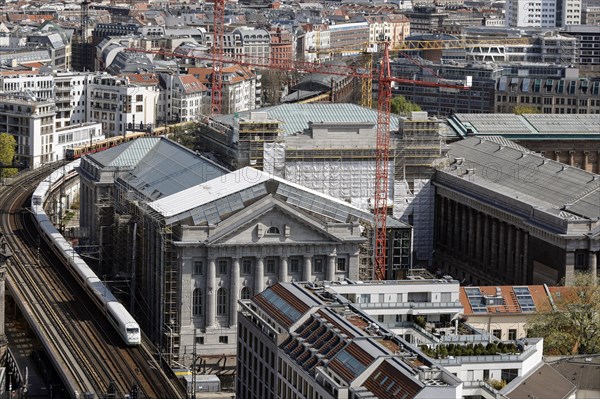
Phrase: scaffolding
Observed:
(419, 146)
(253, 134)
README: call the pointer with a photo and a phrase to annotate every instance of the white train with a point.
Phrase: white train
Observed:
(119, 317)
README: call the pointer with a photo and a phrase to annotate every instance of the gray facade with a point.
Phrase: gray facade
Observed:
(196, 243)
(505, 215)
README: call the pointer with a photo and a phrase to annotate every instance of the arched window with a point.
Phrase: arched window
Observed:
(246, 294)
(273, 230)
(221, 302)
(197, 302)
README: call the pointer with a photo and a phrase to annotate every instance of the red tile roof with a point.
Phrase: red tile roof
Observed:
(511, 305)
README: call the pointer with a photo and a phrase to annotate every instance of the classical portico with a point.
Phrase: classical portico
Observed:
(231, 247)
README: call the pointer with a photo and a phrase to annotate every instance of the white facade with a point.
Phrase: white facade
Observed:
(70, 96)
(542, 13)
(75, 135)
(37, 85)
(120, 106)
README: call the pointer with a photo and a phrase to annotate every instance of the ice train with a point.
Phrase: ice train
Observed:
(116, 313)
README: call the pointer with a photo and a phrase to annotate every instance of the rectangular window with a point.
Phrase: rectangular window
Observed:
(318, 266)
(497, 333)
(246, 266)
(509, 374)
(139, 97)
(380, 318)
(138, 108)
(223, 266)
(198, 267)
(294, 265)
(200, 340)
(341, 264)
(512, 334)
(223, 339)
(270, 266)
(486, 375)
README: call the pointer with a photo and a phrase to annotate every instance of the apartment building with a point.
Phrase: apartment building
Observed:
(183, 98)
(241, 87)
(553, 95)
(503, 311)
(308, 340)
(397, 304)
(32, 123)
(119, 105)
(351, 35)
(282, 47)
(70, 94)
(296, 343)
(542, 13)
(393, 28)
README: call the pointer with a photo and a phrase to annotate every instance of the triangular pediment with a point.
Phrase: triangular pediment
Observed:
(270, 221)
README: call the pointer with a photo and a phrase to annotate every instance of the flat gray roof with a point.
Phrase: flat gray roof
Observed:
(527, 126)
(565, 191)
(295, 117)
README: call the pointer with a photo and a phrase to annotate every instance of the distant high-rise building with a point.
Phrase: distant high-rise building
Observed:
(542, 13)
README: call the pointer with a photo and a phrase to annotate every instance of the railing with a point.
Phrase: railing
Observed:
(488, 358)
(411, 305)
(419, 329)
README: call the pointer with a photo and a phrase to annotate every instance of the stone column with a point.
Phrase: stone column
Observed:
(472, 217)
(456, 236)
(283, 268)
(571, 158)
(478, 238)
(464, 236)
(449, 217)
(211, 292)
(442, 222)
(510, 265)
(569, 267)
(586, 162)
(525, 263)
(307, 272)
(486, 242)
(235, 291)
(557, 156)
(494, 244)
(331, 266)
(259, 275)
(592, 265)
(502, 250)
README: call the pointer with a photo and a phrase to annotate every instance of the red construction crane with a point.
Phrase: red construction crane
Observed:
(384, 80)
(218, 51)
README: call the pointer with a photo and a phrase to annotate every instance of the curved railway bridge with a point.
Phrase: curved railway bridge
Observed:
(87, 352)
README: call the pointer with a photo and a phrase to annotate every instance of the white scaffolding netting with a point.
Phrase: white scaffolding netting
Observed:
(349, 180)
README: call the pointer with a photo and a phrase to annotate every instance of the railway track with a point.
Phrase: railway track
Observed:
(90, 353)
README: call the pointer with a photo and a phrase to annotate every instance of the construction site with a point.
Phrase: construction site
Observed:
(331, 148)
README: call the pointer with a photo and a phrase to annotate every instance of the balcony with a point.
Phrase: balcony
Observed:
(411, 305)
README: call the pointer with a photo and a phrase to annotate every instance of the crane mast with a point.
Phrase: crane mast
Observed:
(217, 66)
(384, 94)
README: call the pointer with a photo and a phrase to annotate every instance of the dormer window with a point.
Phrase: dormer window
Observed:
(273, 231)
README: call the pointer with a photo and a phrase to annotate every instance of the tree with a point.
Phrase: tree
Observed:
(400, 105)
(525, 109)
(7, 154)
(572, 326)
